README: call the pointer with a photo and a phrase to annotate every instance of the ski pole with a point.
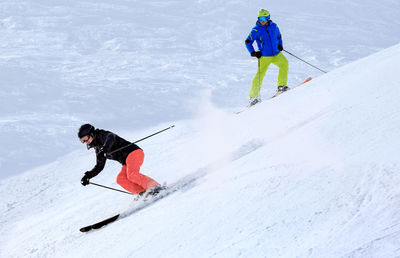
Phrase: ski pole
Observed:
(141, 139)
(110, 188)
(259, 75)
(304, 61)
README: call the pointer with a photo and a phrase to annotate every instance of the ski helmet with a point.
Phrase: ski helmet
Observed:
(85, 130)
(264, 13)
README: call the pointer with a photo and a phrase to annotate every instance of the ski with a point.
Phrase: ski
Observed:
(100, 224)
(141, 203)
(279, 93)
(276, 94)
(144, 202)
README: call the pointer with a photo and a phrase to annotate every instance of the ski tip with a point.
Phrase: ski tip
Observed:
(100, 224)
(85, 229)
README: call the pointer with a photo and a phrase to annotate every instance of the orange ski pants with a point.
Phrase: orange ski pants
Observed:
(130, 177)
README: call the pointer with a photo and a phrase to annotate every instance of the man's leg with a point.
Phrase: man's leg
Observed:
(265, 61)
(133, 163)
(122, 180)
(283, 64)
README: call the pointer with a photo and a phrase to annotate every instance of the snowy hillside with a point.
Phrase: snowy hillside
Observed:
(130, 65)
(312, 173)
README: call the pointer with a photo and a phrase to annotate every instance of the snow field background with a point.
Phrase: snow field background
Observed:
(129, 65)
(312, 173)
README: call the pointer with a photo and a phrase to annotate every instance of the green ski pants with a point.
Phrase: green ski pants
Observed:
(264, 62)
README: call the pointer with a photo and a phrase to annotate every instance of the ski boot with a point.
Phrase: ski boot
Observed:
(253, 101)
(154, 191)
(149, 193)
(282, 88)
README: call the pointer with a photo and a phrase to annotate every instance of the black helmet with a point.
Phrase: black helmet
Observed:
(84, 130)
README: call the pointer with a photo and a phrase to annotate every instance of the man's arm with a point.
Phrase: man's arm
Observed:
(249, 41)
(100, 163)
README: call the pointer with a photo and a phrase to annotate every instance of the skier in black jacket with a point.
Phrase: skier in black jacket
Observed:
(107, 146)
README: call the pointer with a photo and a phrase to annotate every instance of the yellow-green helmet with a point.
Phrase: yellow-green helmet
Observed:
(264, 13)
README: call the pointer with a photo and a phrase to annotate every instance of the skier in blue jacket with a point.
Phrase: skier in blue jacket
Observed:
(269, 42)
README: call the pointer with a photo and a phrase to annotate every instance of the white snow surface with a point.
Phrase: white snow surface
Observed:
(311, 173)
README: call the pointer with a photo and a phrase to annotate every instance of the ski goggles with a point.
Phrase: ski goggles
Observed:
(85, 140)
(263, 18)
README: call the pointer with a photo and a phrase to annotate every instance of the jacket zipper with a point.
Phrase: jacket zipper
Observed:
(270, 41)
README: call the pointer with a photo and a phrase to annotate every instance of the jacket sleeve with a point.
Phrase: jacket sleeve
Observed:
(250, 39)
(279, 38)
(109, 141)
(108, 138)
(100, 163)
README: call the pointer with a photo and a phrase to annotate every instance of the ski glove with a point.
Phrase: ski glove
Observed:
(256, 54)
(280, 47)
(85, 179)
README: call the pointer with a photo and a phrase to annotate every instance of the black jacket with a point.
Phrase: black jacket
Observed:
(104, 143)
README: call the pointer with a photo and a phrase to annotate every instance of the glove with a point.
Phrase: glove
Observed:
(85, 179)
(256, 54)
(280, 47)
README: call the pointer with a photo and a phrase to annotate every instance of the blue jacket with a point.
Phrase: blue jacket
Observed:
(268, 39)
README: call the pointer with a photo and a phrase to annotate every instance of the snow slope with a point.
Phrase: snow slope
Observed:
(312, 173)
(131, 65)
